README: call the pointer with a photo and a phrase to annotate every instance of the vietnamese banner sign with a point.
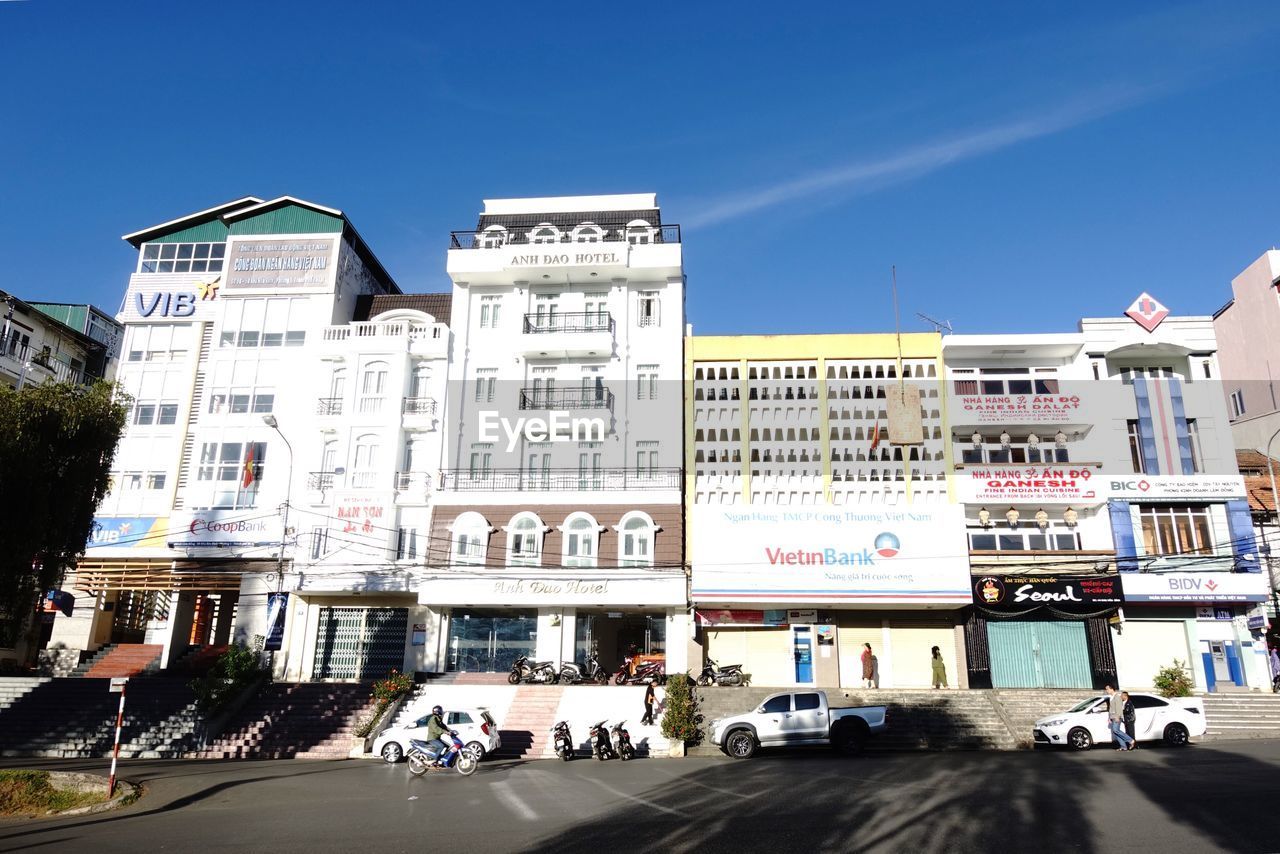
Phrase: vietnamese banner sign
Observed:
(809, 555)
(1073, 594)
(999, 484)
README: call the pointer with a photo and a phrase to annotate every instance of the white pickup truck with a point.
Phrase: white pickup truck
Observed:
(797, 718)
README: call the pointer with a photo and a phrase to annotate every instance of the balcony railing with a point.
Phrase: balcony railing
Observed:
(566, 398)
(574, 321)
(384, 329)
(419, 406)
(320, 481)
(329, 406)
(558, 480)
(412, 480)
(520, 236)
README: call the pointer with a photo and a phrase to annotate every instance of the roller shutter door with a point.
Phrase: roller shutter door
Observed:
(1144, 646)
(850, 638)
(911, 653)
(765, 654)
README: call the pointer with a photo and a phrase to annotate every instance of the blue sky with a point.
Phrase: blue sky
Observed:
(1021, 168)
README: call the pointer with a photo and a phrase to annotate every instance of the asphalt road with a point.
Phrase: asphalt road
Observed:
(1219, 797)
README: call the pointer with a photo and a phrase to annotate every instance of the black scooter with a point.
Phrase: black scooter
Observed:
(562, 740)
(622, 740)
(601, 746)
(537, 672)
(647, 672)
(713, 674)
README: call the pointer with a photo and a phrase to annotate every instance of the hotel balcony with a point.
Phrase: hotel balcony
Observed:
(559, 480)
(559, 336)
(566, 399)
(387, 336)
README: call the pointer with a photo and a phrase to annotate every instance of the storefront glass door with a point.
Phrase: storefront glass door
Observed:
(802, 647)
(612, 635)
(490, 641)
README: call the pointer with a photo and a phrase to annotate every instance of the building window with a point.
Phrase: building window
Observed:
(638, 232)
(650, 309)
(524, 540)
(1193, 439)
(470, 538)
(233, 470)
(182, 257)
(588, 232)
(1024, 539)
(1237, 403)
(1176, 529)
(407, 544)
(319, 542)
(486, 384)
(1135, 447)
(131, 481)
(155, 480)
(493, 237)
(590, 465)
(1128, 375)
(144, 413)
(646, 458)
(490, 311)
(636, 541)
(544, 233)
(268, 322)
(646, 382)
(481, 460)
(581, 540)
(364, 469)
(373, 388)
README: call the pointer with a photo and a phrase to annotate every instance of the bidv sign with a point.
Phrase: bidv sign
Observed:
(1195, 586)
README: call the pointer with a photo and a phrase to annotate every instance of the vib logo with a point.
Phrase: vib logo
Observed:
(887, 544)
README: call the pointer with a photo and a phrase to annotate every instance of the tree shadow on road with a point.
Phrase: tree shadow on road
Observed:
(975, 802)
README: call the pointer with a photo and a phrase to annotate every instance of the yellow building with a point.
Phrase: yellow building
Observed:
(817, 523)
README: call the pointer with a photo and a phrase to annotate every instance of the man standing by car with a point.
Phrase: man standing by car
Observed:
(1115, 716)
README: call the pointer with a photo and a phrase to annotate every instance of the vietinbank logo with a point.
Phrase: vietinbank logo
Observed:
(885, 545)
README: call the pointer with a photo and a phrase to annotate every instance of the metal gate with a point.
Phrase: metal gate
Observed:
(359, 643)
(1030, 654)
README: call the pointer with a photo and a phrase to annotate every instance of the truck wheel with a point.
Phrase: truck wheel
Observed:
(849, 739)
(740, 744)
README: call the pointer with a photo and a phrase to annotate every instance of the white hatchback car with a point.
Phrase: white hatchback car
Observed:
(475, 727)
(1173, 720)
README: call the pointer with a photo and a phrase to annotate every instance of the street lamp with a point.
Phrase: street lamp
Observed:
(270, 421)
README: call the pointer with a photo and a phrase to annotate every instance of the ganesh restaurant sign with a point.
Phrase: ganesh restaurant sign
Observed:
(1069, 484)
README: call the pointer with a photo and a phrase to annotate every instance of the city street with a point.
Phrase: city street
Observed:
(1220, 797)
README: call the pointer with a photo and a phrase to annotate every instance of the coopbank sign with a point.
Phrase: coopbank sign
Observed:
(832, 555)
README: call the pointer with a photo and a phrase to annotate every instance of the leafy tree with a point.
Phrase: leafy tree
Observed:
(680, 722)
(57, 442)
(1175, 680)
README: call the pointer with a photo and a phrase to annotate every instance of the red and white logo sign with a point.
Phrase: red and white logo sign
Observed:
(1147, 312)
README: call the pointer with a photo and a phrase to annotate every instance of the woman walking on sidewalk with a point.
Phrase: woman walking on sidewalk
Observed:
(868, 667)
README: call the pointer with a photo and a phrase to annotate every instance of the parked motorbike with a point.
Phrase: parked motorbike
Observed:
(713, 674)
(647, 672)
(424, 756)
(601, 746)
(573, 673)
(562, 740)
(622, 741)
(535, 672)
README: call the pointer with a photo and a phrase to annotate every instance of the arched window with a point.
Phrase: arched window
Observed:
(588, 232)
(493, 237)
(332, 404)
(636, 534)
(544, 232)
(524, 540)
(581, 540)
(638, 231)
(328, 465)
(364, 467)
(470, 539)
(373, 388)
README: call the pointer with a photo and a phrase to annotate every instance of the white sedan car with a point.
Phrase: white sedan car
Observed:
(474, 726)
(1173, 720)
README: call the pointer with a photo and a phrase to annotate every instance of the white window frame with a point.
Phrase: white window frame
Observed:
(486, 384)
(374, 374)
(469, 539)
(543, 233)
(493, 237)
(364, 461)
(639, 232)
(580, 538)
(653, 315)
(525, 536)
(587, 232)
(490, 311)
(646, 382)
(1237, 403)
(637, 539)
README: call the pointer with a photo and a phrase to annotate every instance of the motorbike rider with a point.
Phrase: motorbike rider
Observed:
(436, 730)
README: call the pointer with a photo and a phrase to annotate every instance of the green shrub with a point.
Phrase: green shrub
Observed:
(680, 722)
(1175, 680)
(385, 691)
(234, 671)
(25, 792)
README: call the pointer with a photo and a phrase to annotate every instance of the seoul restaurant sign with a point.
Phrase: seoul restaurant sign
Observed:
(1019, 594)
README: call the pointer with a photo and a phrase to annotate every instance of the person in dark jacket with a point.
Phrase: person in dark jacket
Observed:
(648, 704)
(1130, 717)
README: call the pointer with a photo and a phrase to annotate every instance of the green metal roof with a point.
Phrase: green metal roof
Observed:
(214, 231)
(289, 219)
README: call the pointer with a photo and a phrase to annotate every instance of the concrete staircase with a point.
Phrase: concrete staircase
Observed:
(75, 719)
(531, 716)
(14, 687)
(1024, 706)
(126, 659)
(1242, 716)
(303, 720)
(196, 661)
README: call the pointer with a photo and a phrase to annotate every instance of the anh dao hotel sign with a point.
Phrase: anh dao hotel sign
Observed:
(915, 555)
(566, 255)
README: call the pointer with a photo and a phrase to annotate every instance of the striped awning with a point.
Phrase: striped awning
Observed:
(97, 576)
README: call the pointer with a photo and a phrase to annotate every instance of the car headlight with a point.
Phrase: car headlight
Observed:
(1054, 722)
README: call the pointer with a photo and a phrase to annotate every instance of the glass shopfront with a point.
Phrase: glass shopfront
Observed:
(490, 641)
(612, 635)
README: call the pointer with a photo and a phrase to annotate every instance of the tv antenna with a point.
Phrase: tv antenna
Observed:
(938, 325)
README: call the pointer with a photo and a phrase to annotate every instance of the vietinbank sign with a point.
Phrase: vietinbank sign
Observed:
(811, 555)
